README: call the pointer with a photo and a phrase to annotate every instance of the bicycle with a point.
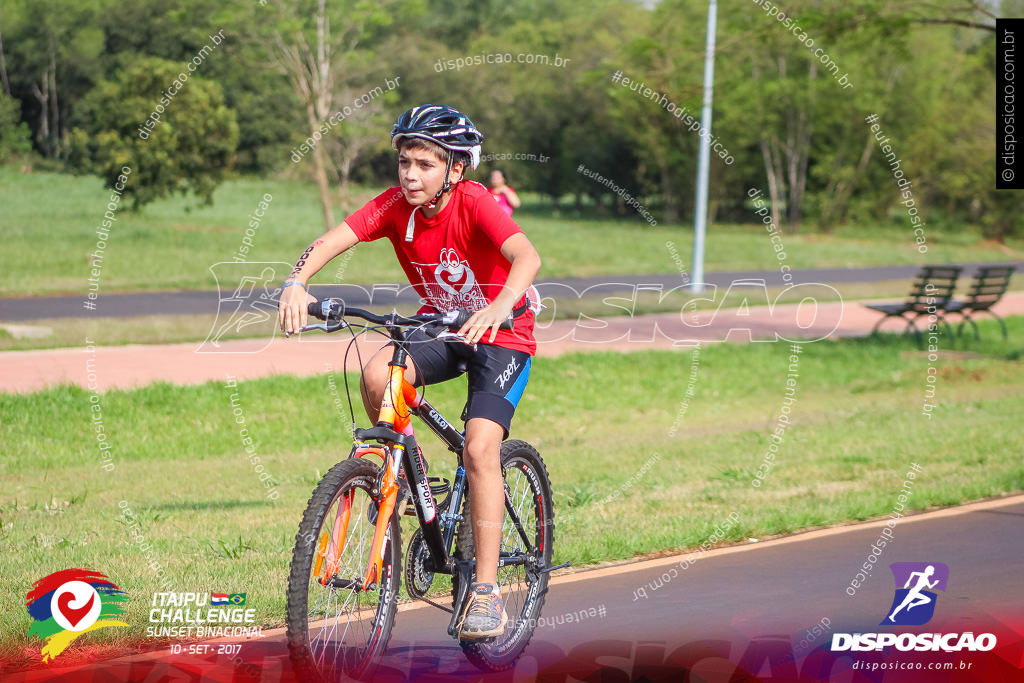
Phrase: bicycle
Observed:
(340, 572)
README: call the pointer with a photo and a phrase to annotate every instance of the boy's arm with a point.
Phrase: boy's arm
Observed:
(291, 311)
(525, 263)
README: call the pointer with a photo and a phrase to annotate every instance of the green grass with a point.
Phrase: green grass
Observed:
(596, 418)
(48, 222)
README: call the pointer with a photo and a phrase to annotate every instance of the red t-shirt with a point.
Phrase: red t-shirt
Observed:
(454, 259)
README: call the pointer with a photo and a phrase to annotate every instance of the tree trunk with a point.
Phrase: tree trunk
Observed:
(798, 153)
(43, 96)
(3, 60)
(670, 198)
(320, 170)
(774, 181)
(54, 104)
(836, 212)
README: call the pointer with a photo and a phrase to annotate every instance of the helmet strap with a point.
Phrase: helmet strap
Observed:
(447, 186)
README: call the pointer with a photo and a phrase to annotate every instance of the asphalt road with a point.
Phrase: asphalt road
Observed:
(743, 613)
(207, 302)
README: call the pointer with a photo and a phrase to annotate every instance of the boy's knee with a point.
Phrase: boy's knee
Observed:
(372, 380)
(481, 449)
(473, 448)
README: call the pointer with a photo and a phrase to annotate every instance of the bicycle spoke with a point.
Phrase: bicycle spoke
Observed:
(342, 622)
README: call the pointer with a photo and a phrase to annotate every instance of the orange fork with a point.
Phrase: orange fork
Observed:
(338, 546)
(389, 494)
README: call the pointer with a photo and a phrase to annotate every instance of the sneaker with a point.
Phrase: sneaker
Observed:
(485, 615)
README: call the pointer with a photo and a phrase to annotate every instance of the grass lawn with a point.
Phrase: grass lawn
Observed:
(706, 417)
(48, 221)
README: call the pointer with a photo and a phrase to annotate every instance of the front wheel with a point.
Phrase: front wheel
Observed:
(337, 627)
(523, 588)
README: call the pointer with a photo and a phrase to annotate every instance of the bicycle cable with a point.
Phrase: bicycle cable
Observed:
(380, 329)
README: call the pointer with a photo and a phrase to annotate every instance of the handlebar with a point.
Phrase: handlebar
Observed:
(335, 311)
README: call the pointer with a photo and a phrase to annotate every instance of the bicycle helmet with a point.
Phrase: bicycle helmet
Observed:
(445, 126)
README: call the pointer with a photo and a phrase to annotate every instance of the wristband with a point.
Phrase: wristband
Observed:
(289, 283)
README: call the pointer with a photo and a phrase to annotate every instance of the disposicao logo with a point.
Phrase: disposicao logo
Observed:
(913, 604)
(68, 603)
(914, 584)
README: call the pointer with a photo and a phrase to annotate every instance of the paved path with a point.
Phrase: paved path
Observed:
(206, 302)
(753, 612)
(136, 365)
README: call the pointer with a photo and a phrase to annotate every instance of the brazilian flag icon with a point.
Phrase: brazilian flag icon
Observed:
(237, 598)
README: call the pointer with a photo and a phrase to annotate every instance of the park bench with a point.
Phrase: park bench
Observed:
(987, 288)
(929, 295)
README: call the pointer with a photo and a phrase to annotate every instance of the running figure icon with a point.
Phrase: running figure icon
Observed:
(915, 597)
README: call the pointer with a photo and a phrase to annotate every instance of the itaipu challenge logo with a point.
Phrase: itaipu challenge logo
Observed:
(70, 603)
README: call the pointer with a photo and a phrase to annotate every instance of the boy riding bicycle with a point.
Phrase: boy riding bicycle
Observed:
(459, 250)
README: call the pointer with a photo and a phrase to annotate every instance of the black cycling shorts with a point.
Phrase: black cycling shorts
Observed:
(497, 376)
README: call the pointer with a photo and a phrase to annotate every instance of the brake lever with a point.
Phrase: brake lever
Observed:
(457, 337)
(332, 326)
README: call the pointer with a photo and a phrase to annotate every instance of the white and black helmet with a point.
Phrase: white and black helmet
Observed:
(441, 124)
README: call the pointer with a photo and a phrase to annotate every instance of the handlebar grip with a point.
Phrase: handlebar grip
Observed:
(462, 316)
(336, 310)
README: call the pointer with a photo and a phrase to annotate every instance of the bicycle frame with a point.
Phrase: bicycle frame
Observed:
(400, 402)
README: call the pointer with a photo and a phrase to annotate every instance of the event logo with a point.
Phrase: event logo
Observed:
(912, 605)
(914, 601)
(201, 615)
(69, 603)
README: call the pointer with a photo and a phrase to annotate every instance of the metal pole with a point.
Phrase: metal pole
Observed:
(701, 213)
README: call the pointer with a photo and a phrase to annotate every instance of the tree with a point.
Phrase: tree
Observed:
(14, 136)
(173, 144)
(54, 59)
(315, 46)
(177, 30)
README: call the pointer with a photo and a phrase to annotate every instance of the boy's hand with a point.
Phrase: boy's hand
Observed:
(490, 316)
(292, 309)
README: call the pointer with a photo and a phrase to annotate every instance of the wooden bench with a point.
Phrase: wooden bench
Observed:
(929, 295)
(987, 288)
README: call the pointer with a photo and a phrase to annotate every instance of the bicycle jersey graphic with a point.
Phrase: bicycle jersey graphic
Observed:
(70, 603)
(450, 283)
(914, 601)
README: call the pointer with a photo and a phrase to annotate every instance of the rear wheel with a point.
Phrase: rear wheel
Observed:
(340, 630)
(523, 589)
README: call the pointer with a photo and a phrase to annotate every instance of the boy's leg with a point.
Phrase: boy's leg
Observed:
(485, 615)
(482, 458)
(375, 376)
(497, 377)
(435, 361)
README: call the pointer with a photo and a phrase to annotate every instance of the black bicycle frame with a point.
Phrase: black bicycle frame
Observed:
(431, 521)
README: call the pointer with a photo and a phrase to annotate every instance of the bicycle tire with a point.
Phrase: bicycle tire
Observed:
(349, 475)
(501, 653)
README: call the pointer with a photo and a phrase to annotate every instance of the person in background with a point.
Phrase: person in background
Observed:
(506, 197)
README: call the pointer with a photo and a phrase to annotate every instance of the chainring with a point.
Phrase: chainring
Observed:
(418, 578)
